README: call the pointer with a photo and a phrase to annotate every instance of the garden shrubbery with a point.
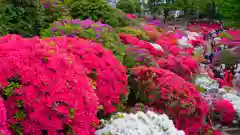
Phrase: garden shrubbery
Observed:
(21, 17)
(54, 10)
(90, 30)
(85, 64)
(169, 94)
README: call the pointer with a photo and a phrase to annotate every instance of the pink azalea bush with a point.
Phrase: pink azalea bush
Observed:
(45, 89)
(136, 56)
(107, 74)
(225, 110)
(184, 66)
(128, 39)
(170, 94)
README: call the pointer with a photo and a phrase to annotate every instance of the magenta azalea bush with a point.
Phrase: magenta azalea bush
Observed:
(108, 76)
(45, 90)
(170, 94)
(52, 85)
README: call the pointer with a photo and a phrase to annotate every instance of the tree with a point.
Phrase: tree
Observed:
(189, 6)
(167, 5)
(23, 17)
(128, 6)
(229, 9)
(138, 6)
(153, 6)
(92, 9)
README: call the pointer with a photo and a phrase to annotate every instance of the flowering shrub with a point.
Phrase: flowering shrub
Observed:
(153, 35)
(235, 100)
(184, 66)
(211, 96)
(170, 94)
(122, 20)
(45, 89)
(54, 10)
(155, 23)
(131, 16)
(152, 32)
(128, 39)
(225, 110)
(136, 32)
(87, 29)
(139, 124)
(108, 76)
(206, 83)
(136, 56)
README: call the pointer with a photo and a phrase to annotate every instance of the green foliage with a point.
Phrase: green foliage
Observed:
(229, 9)
(98, 10)
(127, 6)
(8, 91)
(92, 9)
(231, 24)
(227, 58)
(21, 17)
(225, 35)
(117, 18)
(138, 6)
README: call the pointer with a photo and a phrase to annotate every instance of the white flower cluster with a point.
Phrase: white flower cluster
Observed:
(235, 100)
(157, 46)
(140, 123)
(184, 42)
(206, 83)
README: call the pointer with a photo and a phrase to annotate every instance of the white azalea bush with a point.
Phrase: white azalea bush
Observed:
(205, 82)
(141, 123)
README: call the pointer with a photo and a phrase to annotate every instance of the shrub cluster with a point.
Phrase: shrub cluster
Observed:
(170, 94)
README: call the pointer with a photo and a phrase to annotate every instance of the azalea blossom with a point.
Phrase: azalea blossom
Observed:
(148, 123)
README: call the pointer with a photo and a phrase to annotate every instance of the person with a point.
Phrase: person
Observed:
(237, 81)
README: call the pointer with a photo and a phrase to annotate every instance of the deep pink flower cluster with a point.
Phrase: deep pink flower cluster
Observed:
(3, 118)
(52, 91)
(107, 73)
(184, 66)
(173, 95)
(225, 110)
(131, 16)
(54, 94)
(172, 59)
(129, 39)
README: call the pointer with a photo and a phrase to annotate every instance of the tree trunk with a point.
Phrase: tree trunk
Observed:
(166, 13)
(186, 16)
